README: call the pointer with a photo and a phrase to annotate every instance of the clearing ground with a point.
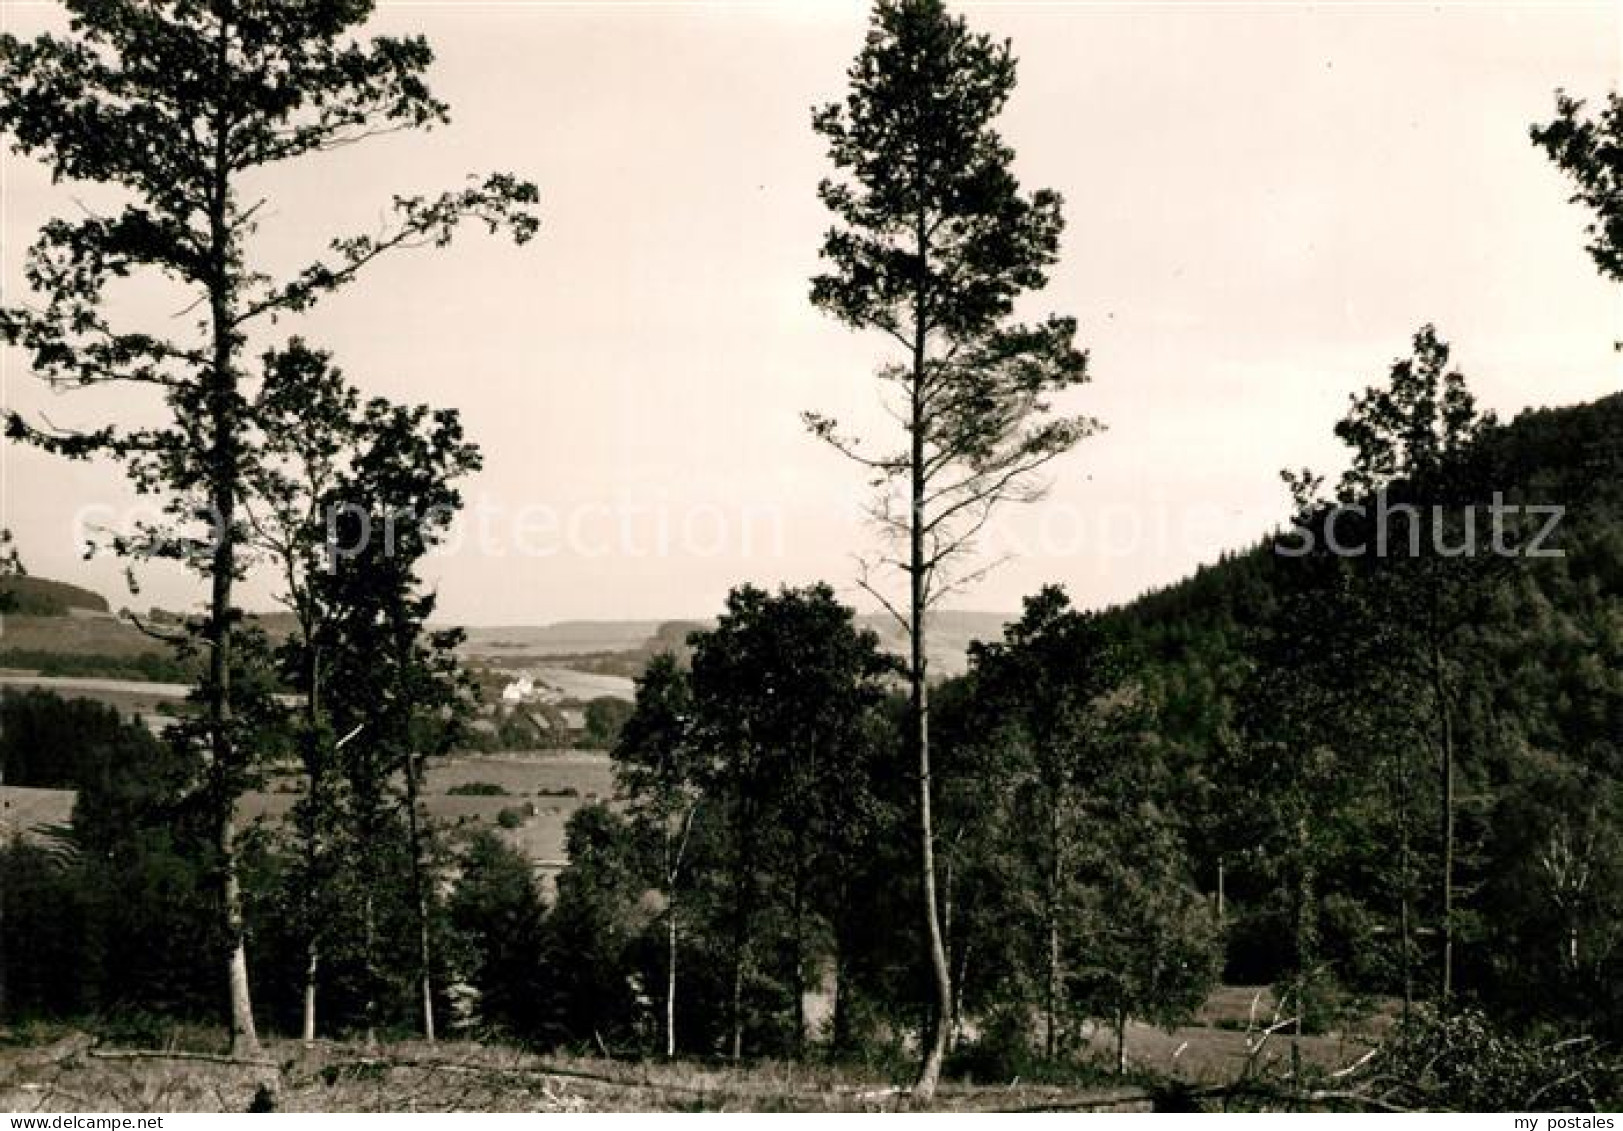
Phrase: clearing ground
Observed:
(75, 1073)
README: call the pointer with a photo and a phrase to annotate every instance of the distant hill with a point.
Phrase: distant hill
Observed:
(63, 629)
(565, 638)
(41, 597)
(59, 619)
(624, 647)
(951, 633)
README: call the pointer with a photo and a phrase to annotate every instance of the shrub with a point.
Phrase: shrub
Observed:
(1001, 1053)
(1465, 1062)
(513, 817)
(477, 789)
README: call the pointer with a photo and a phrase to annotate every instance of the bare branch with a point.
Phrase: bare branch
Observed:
(885, 602)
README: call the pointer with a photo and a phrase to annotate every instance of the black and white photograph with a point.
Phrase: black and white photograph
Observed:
(811, 556)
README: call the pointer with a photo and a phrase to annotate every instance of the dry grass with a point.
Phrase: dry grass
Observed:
(94, 636)
(69, 1075)
(1200, 1055)
(66, 1071)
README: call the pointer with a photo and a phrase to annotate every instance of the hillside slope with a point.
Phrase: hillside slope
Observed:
(1193, 634)
(41, 597)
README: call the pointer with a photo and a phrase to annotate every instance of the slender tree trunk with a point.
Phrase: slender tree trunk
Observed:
(1051, 910)
(244, 1039)
(1405, 884)
(428, 995)
(223, 754)
(936, 1045)
(1121, 1043)
(1306, 941)
(420, 898)
(223, 486)
(743, 917)
(1296, 1038)
(315, 775)
(841, 1022)
(312, 969)
(799, 980)
(312, 980)
(1051, 994)
(415, 837)
(955, 947)
(958, 982)
(1406, 931)
(369, 946)
(1446, 771)
(737, 1010)
(674, 851)
(670, 980)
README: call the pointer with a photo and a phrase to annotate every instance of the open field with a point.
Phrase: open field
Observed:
(91, 687)
(98, 635)
(29, 812)
(572, 684)
(141, 697)
(546, 787)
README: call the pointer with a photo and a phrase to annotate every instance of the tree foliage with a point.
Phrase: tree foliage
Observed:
(1589, 151)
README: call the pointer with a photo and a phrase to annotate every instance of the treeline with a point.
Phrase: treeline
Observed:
(151, 667)
(1239, 777)
(112, 914)
(115, 916)
(1364, 778)
(749, 893)
(1346, 771)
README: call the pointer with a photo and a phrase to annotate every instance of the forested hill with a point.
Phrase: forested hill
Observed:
(40, 597)
(1193, 634)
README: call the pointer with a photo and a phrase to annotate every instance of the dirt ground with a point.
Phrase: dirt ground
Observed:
(71, 1072)
(70, 1076)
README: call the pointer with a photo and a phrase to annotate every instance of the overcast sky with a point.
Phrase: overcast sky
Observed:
(1263, 201)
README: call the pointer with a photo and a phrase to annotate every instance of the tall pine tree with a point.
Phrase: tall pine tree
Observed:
(933, 242)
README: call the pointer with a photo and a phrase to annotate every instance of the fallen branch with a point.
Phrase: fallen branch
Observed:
(1361, 1099)
(1342, 1073)
(1094, 1103)
(205, 1057)
(495, 1071)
